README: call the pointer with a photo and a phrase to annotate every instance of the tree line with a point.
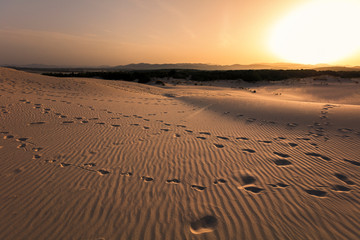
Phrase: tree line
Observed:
(144, 76)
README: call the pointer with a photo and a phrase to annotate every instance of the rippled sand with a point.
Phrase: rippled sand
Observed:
(96, 159)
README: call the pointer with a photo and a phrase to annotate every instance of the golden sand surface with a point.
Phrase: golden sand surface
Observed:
(100, 159)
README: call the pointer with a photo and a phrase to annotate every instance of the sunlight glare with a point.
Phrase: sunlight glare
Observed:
(318, 32)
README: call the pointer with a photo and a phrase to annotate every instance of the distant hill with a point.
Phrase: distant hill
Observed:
(195, 66)
(201, 66)
(337, 68)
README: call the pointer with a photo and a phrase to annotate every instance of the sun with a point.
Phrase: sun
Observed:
(323, 31)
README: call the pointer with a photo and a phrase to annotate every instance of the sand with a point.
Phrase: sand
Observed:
(98, 159)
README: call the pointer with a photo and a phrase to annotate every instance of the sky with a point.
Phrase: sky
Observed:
(117, 32)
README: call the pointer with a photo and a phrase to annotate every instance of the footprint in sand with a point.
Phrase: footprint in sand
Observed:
(242, 138)
(147, 179)
(67, 122)
(293, 144)
(250, 120)
(37, 149)
(8, 137)
(305, 139)
(283, 185)
(345, 130)
(344, 178)
(173, 181)
(264, 141)
(128, 174)
(205, 133)
(218, 145)
(317, 193)
(282, 162)
(65, 164)
(248, 150)
(50, 161)
(103, 172)
(115, 125)
(189, 131)
(22, 139)
(89, 164)
(204, 225)
(254, 189)
(352, 162)
(318, 155)
(340, 188)
(23, 145)
(223, 138)
(36, 123)
(220, 181)
(36, 156)
(202, 138)
(198, 188)
(283, 155)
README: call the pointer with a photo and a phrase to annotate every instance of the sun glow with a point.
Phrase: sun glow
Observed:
(318, 32)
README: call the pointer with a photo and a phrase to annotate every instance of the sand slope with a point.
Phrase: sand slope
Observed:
(95, 159)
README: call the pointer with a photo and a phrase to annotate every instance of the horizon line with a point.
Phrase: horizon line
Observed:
(33, 65)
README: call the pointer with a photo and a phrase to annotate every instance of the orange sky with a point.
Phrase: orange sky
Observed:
(113, 32)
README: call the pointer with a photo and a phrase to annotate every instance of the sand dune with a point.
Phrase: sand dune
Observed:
(96, 159)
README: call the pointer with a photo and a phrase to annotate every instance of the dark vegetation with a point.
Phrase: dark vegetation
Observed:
(144, 76)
